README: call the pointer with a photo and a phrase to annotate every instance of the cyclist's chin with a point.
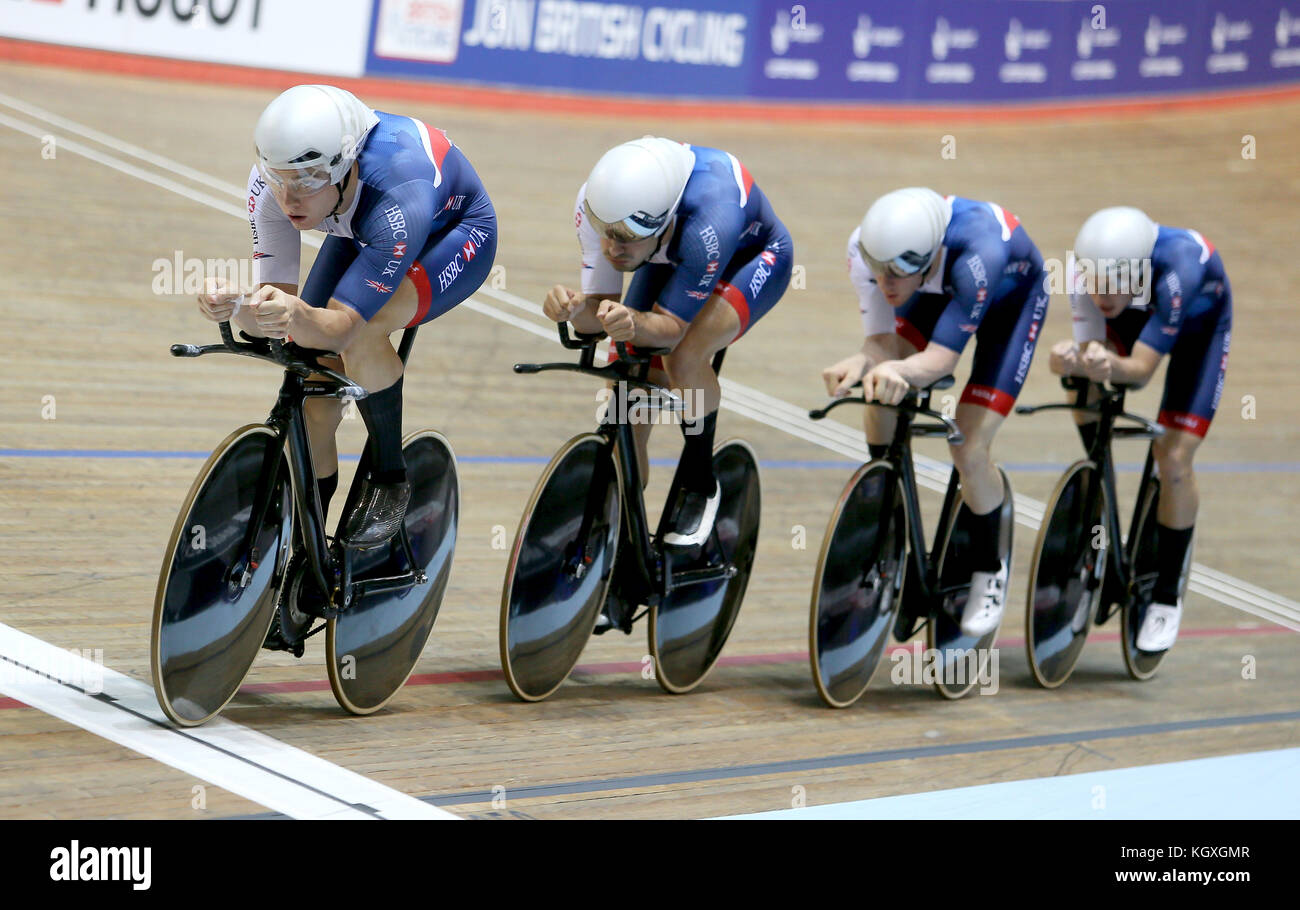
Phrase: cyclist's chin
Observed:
(625, 263)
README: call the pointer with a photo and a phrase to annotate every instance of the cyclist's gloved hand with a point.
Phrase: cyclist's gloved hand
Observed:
(842, 376)
(561, 303)
(1065, 358)
(1096, 362)
(617, 320)
(272, 308)
(219, 302)
(884, 384)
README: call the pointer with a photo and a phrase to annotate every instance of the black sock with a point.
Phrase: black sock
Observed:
(984, 550)
(697, 454)
(325, 487)
(1088, 433)
(1171, 550)
(877, 451)
(382, 413)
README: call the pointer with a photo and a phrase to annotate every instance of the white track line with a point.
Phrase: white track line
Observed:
(750, 402)
(228, 755)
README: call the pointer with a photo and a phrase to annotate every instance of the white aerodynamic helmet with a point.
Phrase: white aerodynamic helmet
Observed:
(638, 184)
(315, 131)
(1116, 239)
(903, 230)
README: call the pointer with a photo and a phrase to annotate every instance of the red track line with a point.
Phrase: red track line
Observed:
(463, 95)
(630, 666)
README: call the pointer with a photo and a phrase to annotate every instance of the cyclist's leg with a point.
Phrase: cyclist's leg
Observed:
(322, 415)
(746, 291)
(646, 284)
(1193, 385)
(1004, 348)
(453, 264)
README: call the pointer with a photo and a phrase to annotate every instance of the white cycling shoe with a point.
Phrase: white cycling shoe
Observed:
(694, 519)
(1160, 627)
(988, 595)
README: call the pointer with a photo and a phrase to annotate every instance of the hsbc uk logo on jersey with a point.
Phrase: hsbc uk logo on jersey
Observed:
(465, 255)
(763, 271)
(713, 250)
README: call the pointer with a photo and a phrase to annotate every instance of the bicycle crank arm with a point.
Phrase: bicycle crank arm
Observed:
(392, 583)
(699, 576)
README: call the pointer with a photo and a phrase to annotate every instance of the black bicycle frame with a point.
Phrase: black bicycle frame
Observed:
(631, 369)
(1109, 408)
(899, 454)
(287, 422)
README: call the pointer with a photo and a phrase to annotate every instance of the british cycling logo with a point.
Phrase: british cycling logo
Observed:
(75, 863)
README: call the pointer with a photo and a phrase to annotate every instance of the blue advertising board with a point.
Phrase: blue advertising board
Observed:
(925, 51)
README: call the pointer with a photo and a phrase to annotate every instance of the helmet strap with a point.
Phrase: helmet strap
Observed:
(341, 186)
(659, 242)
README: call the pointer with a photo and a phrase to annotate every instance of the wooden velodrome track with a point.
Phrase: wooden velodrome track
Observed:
(85, 510)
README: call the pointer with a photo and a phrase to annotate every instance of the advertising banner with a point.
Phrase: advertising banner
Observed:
(925, 51)
(315, 36)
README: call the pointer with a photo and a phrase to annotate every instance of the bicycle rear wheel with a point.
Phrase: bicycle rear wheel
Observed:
(689, 627)
(372, 647)
(1067, 574)
(962, 660)
(856, 588)
(555, 584)
(1142, 557)
(207, 625)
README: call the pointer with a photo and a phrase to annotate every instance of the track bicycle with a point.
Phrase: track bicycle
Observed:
(248, 564)
(584, 545)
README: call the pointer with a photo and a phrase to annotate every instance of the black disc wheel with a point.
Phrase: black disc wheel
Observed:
(1067, 574)
(558, 574)
(689, 626)
(1142, 557)
(961, 661)
(372, 646)
(216, 598)
(856, 589)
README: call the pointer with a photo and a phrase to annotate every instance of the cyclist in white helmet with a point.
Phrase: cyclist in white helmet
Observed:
(1139, 291)
(412, 233)
(708, 258)
(930, 272)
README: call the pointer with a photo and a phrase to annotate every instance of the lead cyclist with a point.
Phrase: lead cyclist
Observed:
(411, 234)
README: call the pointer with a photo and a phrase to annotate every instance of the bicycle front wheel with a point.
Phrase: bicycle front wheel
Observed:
(855, 593)
(215, 600)
(1065, 578)
(557, 578)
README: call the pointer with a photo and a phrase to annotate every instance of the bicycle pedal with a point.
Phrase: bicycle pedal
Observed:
(276, 642)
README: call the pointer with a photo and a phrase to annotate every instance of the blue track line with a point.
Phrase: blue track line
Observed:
(1018, 467)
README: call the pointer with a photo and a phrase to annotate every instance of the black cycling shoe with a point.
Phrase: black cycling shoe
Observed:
(616, 613)
(693, 518)
(378, 514)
